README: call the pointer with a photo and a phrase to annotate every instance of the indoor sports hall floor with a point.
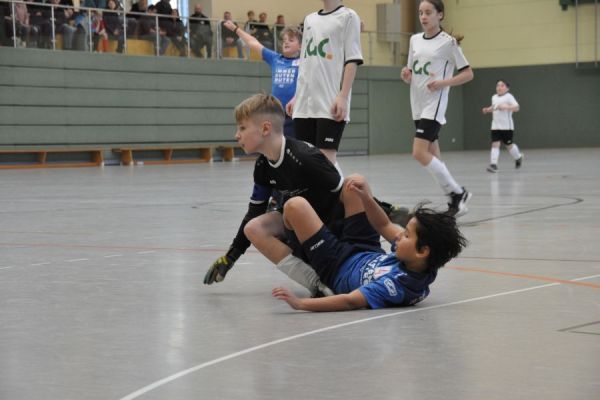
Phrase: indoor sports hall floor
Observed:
(101, 293)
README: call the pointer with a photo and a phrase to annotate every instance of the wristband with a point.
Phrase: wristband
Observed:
(236, 29)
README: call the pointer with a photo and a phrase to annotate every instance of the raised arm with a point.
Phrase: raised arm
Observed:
(356, 184)
(245, 36)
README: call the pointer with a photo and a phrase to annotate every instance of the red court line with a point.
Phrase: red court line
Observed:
(110, 247)
(526, 276)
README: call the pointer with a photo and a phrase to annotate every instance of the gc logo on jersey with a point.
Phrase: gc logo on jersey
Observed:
(422, 70)
(312, 50)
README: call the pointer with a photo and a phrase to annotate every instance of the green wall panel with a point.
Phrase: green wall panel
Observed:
(560, 106)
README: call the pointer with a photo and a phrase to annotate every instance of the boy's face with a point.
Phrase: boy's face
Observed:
(501, 88)
(291, 46)
(406, 242)
(250, 134)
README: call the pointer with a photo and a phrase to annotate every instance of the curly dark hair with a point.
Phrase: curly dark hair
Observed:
(438, 231)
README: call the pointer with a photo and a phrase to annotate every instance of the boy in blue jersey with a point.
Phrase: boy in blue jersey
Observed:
(355, 267)
(284, 67)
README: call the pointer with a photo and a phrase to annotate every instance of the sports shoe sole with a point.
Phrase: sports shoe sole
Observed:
(462, 207)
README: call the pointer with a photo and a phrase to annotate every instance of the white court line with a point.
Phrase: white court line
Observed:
(198, 367)
(8, 267)
(113, 255)
(78, 259)
(38, 264)
(146, 252)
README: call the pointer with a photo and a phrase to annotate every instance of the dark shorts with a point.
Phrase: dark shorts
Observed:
(323, 133)
(505, 136)
(427, 129)
(326, 251)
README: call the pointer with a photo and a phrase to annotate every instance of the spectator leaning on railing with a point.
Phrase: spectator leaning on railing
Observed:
(114, 23)
(229, 38)
(201, 34)
(262, 32)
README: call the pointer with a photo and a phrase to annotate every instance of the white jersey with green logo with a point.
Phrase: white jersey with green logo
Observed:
(430, 59)
(330, 40)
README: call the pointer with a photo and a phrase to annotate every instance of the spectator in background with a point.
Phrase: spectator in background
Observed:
(163, 7)
(277, 31)
(99, 34)
(64, 23)
(249, 25)
(41, 28)
(5, 24)
(148, 30)
(114, 24)
(93, 3)
(229, 38)
(262, 33)
(201, 34)
(133, 21)
(176, 33)
(23, 26)
(140, 7)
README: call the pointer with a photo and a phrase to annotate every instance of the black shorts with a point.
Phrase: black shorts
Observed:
(326, 252)
(506, 136)
(323, 133)
(427, 129)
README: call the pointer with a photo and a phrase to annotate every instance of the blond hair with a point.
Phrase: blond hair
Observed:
(265, 105)
(291, 31)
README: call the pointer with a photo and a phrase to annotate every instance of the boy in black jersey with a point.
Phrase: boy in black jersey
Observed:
(292, 167)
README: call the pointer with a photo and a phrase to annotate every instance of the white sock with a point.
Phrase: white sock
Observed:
(514, 151)
(302, 273)
(442, 176)
(494, 154)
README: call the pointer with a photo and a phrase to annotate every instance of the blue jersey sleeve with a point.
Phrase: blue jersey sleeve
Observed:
(269, 56)
(383, 292)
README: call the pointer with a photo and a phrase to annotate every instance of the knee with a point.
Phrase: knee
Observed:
(293, 207)
(417, 154)
(252, 229)
(421, 156)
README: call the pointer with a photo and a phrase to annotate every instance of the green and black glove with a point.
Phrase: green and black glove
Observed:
(218, 270)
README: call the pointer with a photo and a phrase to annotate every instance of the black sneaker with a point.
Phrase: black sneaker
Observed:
(458, 203)
(492, 168)
(519, 161)
(399, 215)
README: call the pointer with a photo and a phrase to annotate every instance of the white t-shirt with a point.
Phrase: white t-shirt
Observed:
(330, 40)
(502, 119)
(429, 59)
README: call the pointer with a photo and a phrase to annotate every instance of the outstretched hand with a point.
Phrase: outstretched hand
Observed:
(230, 25)
(286, 295)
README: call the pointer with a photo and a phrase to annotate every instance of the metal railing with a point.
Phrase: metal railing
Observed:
(82, 28)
